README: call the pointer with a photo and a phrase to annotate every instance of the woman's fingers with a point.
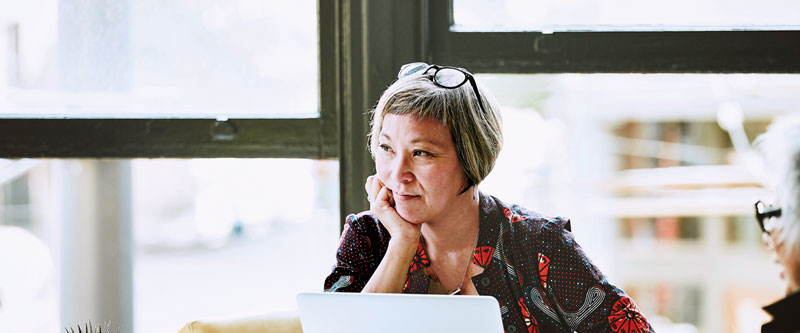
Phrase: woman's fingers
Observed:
(368, 188)
(373, 187)
(383, 195)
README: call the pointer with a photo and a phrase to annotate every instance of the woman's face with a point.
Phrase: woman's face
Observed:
(416, 159)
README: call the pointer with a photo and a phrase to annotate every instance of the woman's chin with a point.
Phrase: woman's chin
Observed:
(411, 216)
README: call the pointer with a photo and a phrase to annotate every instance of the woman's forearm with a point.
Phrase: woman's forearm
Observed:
(390, 276)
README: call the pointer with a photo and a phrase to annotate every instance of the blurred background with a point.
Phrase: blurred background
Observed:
(655, 170)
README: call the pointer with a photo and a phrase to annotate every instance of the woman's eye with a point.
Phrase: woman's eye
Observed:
(385, 147)
(421, 153)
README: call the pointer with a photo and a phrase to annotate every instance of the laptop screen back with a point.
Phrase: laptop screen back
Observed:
(359, 313)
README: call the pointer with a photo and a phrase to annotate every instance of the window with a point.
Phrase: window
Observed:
(661, 199)
(206, 238)
(155, 59)
(198, 79)
(137, 80)
(228, 238)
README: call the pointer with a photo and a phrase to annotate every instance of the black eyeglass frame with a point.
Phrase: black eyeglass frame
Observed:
(467, 77)
(763, 212)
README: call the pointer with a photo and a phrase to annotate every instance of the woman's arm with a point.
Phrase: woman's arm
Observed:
(391, 274)
(375, 250)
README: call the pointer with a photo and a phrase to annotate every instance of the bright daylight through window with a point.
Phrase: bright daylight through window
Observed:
(158, 59)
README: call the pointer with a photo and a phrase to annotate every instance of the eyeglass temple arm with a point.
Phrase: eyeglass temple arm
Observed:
(477, 92)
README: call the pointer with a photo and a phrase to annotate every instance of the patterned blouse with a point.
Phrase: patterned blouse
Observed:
(531, 265)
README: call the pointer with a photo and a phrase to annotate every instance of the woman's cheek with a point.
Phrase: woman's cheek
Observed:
(382, 169)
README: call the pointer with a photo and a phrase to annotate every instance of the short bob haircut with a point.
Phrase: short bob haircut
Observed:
(476, 132)
(780, 146)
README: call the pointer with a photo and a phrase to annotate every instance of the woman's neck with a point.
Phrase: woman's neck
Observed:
(457, 228)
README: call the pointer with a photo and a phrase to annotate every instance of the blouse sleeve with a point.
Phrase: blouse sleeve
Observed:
(577, 291)
(357, 256)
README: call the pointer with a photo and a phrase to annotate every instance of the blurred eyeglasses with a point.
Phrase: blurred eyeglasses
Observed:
(443, 76)
(764, 212)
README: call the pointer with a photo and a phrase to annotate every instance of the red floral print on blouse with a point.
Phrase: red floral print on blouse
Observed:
(514, 218)
(625, 317)
(544, 267)
(482, 255)
(420, 259)
(530, 321)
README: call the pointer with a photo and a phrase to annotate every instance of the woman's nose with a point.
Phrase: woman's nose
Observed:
(401, 169)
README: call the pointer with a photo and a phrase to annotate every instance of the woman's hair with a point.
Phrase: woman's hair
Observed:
(476, 132)
(780, 146)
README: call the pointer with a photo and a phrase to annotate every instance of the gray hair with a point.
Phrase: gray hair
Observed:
(476, 132)
(780, 146)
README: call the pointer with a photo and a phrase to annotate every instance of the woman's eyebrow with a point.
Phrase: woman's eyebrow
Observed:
(416, 140)
(425, 140)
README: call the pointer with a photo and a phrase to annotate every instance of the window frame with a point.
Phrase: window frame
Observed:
(733, 51)
(189, 136)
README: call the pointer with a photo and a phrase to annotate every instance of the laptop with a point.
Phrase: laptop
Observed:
(361, 313)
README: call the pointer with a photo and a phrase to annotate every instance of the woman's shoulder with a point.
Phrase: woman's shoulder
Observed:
(364, 218)
(523, 219)
(364, 222)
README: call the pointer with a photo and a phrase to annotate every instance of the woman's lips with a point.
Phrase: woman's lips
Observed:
(405, 197)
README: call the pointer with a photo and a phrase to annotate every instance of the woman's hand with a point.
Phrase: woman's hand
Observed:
(381, 203)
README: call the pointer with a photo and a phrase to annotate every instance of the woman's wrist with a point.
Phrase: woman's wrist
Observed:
(404, 245)
(390, 275)
(406, 239)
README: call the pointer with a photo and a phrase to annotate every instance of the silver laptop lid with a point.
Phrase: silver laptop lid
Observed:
(360, 313)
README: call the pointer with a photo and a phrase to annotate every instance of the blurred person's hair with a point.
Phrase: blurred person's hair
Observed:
(476, 132)
(780, 146)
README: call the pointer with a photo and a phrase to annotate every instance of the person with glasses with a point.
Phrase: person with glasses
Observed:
(780, 222)
(435, 135)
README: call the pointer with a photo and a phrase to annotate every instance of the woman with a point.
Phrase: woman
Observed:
(434, 138)
(780, 223)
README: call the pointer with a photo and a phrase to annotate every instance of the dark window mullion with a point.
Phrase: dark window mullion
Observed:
(179, 138)
(622, 52)
(328, 60)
